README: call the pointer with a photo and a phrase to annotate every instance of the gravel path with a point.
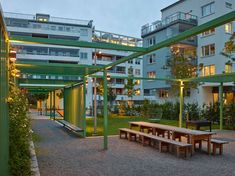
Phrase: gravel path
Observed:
(61, 153)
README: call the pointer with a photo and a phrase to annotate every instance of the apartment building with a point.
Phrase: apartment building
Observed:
(46, 26)
(176, 18)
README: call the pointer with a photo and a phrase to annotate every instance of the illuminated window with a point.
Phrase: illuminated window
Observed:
(151, 74)
(228, 28)
(208, 9)
(137, 92)
(209, 32)
(163, 93)
(208, 70)
(137, 82)
(228, 68)
(208, 50)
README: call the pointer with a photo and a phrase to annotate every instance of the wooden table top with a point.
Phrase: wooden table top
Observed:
(172, 128)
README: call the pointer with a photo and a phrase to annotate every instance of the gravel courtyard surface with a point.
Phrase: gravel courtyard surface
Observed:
(61, 153)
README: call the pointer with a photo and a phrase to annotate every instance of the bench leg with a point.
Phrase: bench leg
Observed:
(214, 149)
(178, 152)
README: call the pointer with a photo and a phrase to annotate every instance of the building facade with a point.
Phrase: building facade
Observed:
(46, 26)
(203, 50)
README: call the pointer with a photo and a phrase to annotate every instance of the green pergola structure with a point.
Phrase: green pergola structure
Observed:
(84, 71)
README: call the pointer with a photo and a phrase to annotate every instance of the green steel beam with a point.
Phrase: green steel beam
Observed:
(182, 36)
(45, 81)
(226, 77)
(181, 103)
(81, 44)
(136, 78)
(105, 128)
(221, 103)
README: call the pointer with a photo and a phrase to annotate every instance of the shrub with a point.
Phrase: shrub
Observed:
(19, 126)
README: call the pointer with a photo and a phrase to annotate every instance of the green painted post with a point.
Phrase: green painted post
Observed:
(54, 105)
(4, 116)
(84, 106)
(181, 103)
(221, 102)
(50, 105)
(105, 111)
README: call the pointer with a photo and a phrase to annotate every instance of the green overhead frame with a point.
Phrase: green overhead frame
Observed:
(46, 81)
(34, 68)
(82, 44)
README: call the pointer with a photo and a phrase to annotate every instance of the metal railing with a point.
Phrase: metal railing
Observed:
(168, 20)
(51, 19)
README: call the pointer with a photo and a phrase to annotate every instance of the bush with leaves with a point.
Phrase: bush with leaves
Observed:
(19, 129)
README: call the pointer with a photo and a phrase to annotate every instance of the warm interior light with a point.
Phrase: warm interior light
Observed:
(108, 77)
(12, 55)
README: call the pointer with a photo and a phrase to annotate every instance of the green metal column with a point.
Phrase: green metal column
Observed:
(50, 105)
(105, 111)
(84, 106)
(181, 103)
(4, 116)
(221, 100)
(54, 105)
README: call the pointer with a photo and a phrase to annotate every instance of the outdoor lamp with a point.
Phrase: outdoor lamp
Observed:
(12, 55)
(108, 77)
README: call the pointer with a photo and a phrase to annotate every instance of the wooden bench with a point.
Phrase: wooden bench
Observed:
(162, 142)
(70, 126)
(218, 144)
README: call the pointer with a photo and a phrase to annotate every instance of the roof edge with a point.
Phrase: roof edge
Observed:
(176, 3)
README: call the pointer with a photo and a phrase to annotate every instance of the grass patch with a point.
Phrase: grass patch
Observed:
(114, 123)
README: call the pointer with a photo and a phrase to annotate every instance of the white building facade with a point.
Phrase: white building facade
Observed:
(209, 45)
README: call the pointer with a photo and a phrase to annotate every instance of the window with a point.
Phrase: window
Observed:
(228, 68)
(137, 61)
(208, 50)
(130, 62)
(228, 28)
(163, 93)
(209, 32)
(60, 28)
(228, 5)
(152, 58)
(151, 41)
(208, 9)
(84, 32)
(137, 71)
(83, 55)
(208, 70)
(151, 74)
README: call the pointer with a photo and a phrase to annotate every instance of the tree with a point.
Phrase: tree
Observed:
(130, 85)
(110, 94)
(229, 48)
(181, 64)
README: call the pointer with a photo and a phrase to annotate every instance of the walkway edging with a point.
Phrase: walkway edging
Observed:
(34, 161)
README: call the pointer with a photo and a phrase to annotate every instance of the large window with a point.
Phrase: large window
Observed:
(208, 70)
(228, 68)
(151, 41)
(208, 9)
(228, 28)
(151, 74)
(83, 55)
(208, 50)
(163, 93)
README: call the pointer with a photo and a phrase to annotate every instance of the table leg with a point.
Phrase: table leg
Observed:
(154, 131)
(209, 145)
(191, 139)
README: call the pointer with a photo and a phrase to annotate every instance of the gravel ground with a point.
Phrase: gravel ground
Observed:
(61, 153)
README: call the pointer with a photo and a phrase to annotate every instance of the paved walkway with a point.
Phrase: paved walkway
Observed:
(61, 153)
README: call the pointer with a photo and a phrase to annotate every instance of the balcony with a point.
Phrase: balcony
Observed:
(177, 17)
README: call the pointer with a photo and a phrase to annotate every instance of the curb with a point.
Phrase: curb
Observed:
(34, 161)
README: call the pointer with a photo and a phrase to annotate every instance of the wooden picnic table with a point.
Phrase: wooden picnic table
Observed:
(192, 135)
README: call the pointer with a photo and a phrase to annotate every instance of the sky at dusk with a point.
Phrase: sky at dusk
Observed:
(119, 16)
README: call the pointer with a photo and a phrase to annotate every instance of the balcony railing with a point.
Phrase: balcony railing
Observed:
(52, 19)
(101, 36)
(146, 29)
